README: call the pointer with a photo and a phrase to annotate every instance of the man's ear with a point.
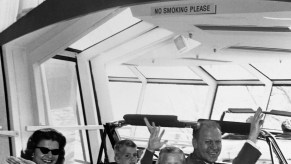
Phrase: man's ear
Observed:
(194, 143)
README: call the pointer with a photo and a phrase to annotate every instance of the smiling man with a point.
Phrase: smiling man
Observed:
(207, 143)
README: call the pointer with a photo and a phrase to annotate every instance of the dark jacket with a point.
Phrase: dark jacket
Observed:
(247, 155)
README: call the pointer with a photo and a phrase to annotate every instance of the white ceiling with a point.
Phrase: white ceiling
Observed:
(241, 31)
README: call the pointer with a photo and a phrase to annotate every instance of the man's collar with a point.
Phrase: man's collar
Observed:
(195, 157)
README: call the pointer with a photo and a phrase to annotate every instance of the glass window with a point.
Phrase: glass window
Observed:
(228, 72)
(237, 97)
(275, 70)
(185, 101)
(4, 141)
(109, 28)
(237, 117)
(124, 98)
(161, 99)
(168, 72)
(273, 122)
(119, 71)
(279, 100)
(65, 106)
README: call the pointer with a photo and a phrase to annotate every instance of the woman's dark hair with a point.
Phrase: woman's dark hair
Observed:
(45, 134)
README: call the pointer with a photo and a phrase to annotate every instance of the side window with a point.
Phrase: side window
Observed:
(237, 97)
(167, 99)
(280, 98)
(64, 107)
(4, 141)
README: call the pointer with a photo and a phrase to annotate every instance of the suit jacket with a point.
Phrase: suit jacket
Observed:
(147, 157)
(247, 155)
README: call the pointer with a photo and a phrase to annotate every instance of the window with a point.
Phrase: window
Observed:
(185, 101)
(4, 141)
(119, 71)
(124, 98)
(228, 72)
(116, 24)
(236, 97)
(279, 100)
(275, 70)
(64, 106)
(168, 72)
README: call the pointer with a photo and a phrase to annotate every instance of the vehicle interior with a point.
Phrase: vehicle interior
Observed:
(273, 144)
(81, 66)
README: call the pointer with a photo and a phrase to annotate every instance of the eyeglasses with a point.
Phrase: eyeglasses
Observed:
(45, 150)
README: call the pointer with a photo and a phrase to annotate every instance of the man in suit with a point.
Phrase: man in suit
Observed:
(207, 143)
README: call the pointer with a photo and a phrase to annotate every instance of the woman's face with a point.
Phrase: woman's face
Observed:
(46, 152)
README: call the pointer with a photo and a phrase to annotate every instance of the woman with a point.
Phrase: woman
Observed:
(45, 146)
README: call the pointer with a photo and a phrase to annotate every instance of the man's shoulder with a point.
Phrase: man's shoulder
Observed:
(191, 159)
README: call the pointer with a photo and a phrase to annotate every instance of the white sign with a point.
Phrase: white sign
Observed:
(185, 9)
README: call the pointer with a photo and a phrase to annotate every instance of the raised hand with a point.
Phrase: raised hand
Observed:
(151, 128)
(18, 160)
(155, 142)
(256, 123)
